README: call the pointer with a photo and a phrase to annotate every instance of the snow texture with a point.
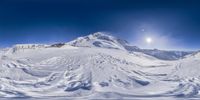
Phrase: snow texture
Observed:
(97, 66)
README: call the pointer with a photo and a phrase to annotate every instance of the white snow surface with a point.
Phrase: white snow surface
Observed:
(107, 71)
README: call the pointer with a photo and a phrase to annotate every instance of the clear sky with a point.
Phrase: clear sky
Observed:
(172, 24)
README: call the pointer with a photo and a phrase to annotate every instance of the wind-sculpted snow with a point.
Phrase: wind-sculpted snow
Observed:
(63, 71)
(81, 72)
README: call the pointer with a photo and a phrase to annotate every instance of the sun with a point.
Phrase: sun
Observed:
(149, 40)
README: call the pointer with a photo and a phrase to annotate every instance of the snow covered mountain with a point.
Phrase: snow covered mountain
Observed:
(103, 40)
(95, 66)
(99, 39)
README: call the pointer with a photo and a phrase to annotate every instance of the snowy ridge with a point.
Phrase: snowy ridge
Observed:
(21, 47)
(29, 46)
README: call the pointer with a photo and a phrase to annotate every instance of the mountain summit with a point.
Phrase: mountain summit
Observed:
(100, 39)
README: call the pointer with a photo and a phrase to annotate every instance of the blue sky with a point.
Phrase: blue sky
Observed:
(173, 24)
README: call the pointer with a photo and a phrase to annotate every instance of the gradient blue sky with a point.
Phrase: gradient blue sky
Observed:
(173, 24)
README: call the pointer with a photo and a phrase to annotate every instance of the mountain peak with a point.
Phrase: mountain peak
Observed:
(98, 34)
(99, 39)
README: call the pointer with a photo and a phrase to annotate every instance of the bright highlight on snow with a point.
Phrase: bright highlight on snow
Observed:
(149, 40)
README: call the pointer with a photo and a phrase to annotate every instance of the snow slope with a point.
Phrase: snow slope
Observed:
(89, 72)
(36, 72)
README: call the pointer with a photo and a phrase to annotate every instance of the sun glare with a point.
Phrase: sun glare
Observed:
(149, 40)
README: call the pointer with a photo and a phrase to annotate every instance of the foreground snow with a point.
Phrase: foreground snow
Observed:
(84, 72)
